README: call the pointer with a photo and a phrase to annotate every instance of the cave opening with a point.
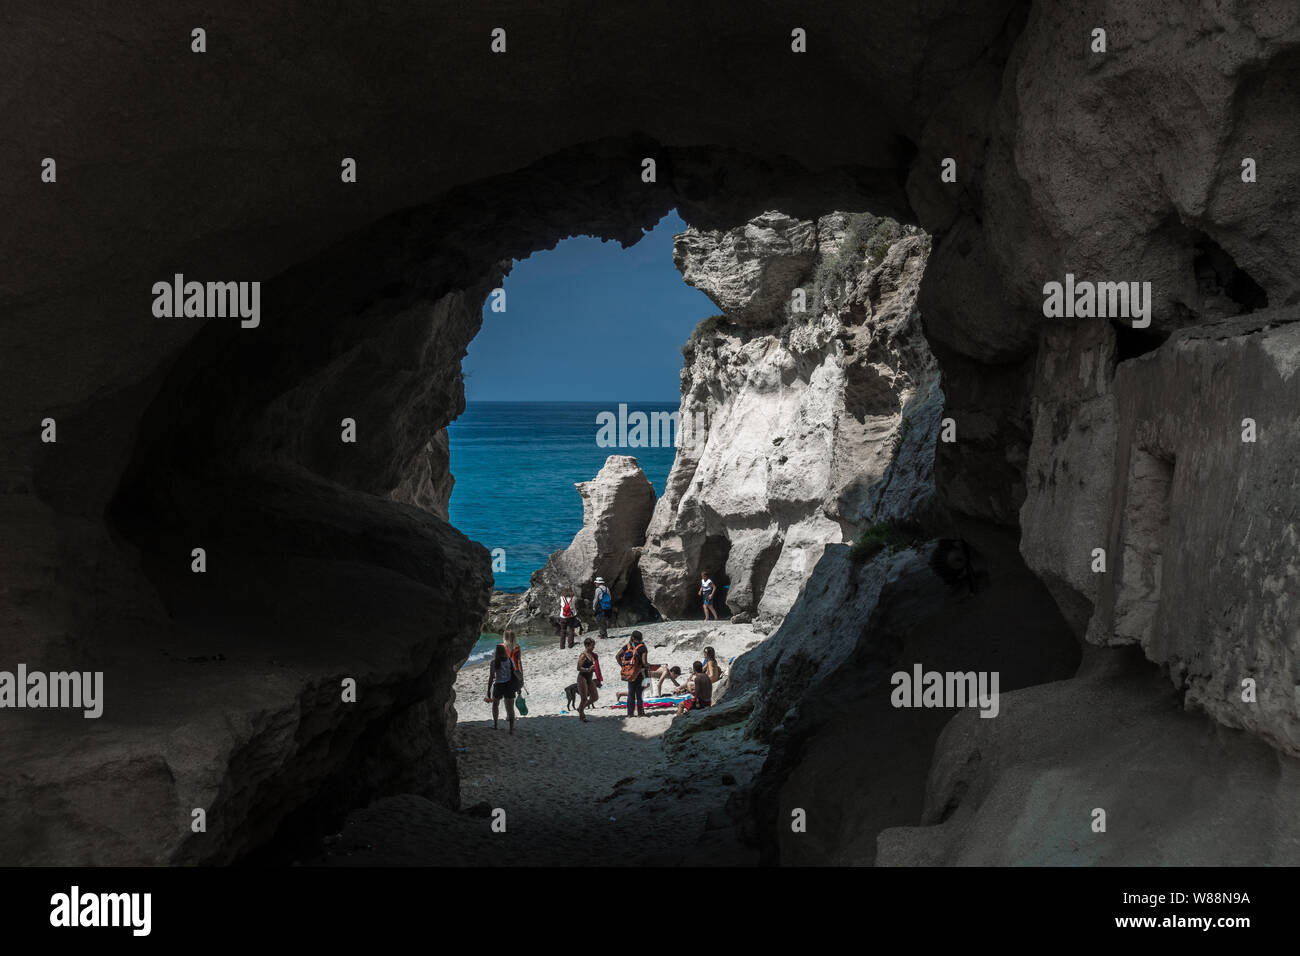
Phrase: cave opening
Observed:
(1131, 343)
(713, 560)
(577, 363)
(304, 458)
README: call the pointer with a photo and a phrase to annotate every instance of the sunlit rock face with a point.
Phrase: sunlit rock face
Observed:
(795, 402)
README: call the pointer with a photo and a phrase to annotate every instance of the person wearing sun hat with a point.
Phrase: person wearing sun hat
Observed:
(602, 605)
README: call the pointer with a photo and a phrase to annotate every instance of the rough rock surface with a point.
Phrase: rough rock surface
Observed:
(1123, 165)
(616, 507)
(790, 421)
(823, 688)
(505, 609)
(1176, 789)
(221, 705)
(749, 271)
(1137, 459)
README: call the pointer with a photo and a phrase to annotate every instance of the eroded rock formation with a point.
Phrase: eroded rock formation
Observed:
(616, 507)
(790, 419)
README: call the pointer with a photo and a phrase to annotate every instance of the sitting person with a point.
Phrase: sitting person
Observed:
(711, 666)
(701, 689)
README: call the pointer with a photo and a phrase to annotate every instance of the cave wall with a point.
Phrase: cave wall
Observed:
(225, 165)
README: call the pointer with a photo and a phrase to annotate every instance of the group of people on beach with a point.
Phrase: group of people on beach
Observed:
(506, 677)
(506, 672)
(635, 668)
(602, 608)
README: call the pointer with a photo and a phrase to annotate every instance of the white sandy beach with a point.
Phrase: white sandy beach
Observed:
(572, 791)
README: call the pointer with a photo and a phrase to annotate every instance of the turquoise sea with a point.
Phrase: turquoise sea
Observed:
(515, 465)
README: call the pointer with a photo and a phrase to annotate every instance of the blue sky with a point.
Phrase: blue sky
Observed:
(589, 321)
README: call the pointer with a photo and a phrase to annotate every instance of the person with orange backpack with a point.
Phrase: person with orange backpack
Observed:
(632, 668)
(568, 617)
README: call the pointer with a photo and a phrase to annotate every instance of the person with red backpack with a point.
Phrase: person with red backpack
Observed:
(632, 668)
(568, 617)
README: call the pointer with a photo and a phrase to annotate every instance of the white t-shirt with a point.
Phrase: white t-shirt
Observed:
(707, 584)
(573, 607)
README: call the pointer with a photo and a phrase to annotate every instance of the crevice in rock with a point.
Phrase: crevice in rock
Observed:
(1146, 519)
(1131, 343)
(1218, 277)
(762, 570)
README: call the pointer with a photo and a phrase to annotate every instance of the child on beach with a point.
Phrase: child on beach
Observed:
(501, 686)
(662, 672)
(706, 592)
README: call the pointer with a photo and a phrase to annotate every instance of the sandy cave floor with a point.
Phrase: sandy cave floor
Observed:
(601, 792)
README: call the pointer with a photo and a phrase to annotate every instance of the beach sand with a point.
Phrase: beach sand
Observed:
(600, 792)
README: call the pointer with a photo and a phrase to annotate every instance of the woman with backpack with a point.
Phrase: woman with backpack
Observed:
(502, 685)
(568, 617)
(588, 676)
(515, 653)
(632, 667)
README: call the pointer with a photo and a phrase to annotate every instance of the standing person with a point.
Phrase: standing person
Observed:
(568, 617)
(501, 686)
(602, 605)
(516, 654)
(632, 661)
(711, 666)
(588, 676)
(707, 592)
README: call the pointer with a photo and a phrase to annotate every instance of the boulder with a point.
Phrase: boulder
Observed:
(616, 507)
(505, 609)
